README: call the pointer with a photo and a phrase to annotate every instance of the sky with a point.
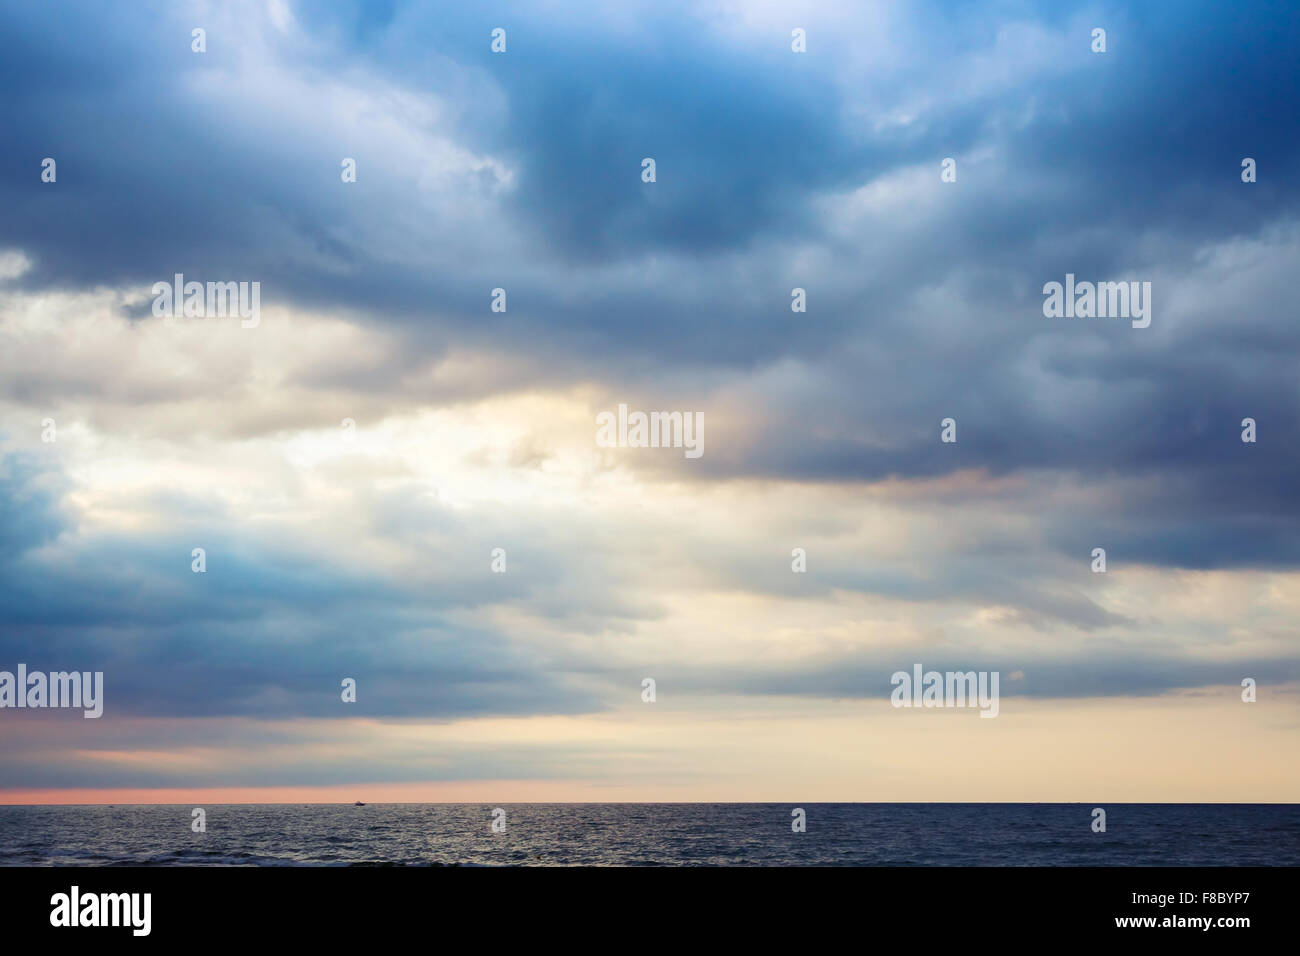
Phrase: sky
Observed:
(350, 463)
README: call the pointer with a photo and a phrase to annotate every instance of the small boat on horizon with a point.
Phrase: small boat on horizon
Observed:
(358, 804)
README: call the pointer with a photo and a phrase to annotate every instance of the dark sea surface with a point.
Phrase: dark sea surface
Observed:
(708, 834)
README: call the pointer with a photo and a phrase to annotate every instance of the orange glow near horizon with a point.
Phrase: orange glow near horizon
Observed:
(468, 791)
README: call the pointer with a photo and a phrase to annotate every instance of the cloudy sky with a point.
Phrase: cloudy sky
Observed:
(334, 552)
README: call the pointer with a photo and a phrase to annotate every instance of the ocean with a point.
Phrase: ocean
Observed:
(650, 834)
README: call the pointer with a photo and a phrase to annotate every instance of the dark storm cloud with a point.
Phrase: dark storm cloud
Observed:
(29, 515)
(1114, 675)
(155, 180)
(268, 630)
